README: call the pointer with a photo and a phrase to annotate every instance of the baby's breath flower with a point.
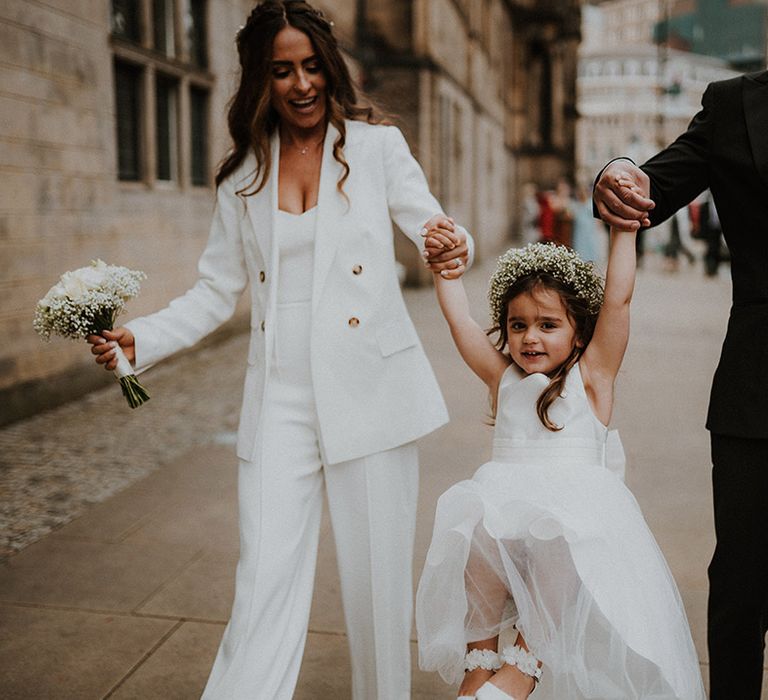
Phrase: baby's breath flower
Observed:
(87, 301)
(562, 263)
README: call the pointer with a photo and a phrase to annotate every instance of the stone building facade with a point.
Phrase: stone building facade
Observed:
(113, 120)
(634, 97)
(485, 91)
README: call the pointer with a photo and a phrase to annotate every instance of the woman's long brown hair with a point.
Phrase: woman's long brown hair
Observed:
(251, 118)
(576, 309)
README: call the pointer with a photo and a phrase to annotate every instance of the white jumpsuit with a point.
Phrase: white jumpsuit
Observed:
(372, 504)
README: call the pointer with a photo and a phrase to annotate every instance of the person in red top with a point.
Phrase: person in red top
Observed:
(546, 217)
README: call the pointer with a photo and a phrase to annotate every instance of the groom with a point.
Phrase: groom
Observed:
(726, 149)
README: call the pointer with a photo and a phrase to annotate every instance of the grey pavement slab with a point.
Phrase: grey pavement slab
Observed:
(325, 672)
(90, 575)
(63, 654)
(156, 550)
(178, 669)
(202, 590)
(201, 483)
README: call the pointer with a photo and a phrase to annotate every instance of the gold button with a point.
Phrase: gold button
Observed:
(357, 269)
(262, 276)
(354, 322)
(262, 325)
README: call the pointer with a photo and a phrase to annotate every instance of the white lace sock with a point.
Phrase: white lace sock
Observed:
(526, 662)
(482, 658)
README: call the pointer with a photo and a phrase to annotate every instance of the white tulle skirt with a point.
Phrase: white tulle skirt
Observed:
(565, 556)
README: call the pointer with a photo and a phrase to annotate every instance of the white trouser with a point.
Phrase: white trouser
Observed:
(372, 503)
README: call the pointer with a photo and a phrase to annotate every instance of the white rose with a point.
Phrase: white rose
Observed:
(55, 292)
(73, 286)
(91, 277)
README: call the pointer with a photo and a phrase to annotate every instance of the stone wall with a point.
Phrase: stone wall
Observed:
(61, 203)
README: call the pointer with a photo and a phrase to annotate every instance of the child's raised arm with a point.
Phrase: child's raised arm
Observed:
(473, 344)
(605, 352)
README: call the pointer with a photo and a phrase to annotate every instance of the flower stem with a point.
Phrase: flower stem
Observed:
(134, 393)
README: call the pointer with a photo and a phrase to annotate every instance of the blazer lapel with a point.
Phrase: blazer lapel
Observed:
(331, 208)
(755, 95)
(262, 208)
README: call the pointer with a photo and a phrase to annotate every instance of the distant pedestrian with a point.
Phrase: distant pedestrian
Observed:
(546, 216)
(712, 233)
(561, 201)
(725, 149)
(530, 231)
(680, 241)
(545, 542)
(338, 387)
(585, 241)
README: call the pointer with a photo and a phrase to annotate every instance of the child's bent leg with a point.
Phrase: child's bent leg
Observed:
(487, 599)
(486, 588)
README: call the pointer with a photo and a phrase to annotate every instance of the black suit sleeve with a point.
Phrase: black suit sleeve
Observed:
(681, 171)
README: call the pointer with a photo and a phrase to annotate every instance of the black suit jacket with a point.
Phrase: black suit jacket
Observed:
(726, 149)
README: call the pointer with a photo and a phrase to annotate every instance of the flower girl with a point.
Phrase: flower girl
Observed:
(545, 547)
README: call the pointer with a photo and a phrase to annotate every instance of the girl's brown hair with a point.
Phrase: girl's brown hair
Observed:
(251, 118)
(577, 310)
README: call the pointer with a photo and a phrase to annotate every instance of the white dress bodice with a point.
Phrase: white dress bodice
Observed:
(520, 436)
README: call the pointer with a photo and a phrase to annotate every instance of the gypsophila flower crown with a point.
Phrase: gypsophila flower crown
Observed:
(562, 263)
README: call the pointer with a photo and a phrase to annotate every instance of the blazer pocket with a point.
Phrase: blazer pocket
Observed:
(395, 336)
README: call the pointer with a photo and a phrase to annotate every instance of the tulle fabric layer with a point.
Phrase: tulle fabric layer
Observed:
(563, 554)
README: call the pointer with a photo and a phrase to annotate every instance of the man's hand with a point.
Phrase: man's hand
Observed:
(623, 207)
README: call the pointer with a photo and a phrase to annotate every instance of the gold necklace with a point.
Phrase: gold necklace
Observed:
(303, 150)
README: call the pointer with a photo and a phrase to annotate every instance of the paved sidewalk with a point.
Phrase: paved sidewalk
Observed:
(120, 527)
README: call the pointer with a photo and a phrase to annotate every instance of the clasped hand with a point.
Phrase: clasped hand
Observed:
(622, 196)
(445, 246)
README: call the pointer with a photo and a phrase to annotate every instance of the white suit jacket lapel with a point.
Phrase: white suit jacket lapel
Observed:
(331, 208)
(262, 208)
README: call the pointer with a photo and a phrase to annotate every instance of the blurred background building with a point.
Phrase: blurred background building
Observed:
(113, 122)
(644, 65)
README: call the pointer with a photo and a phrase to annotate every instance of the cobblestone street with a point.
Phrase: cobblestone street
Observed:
(119, 526)
(56, 464)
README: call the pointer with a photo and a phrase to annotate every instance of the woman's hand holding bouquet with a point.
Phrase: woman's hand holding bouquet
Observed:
(84, 303)
(107, 346)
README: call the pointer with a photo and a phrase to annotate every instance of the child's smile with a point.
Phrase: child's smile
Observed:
(541, 336)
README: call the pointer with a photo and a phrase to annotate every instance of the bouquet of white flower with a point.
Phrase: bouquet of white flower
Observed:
(87, 301)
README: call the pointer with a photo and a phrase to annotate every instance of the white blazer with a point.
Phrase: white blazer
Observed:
(374, 387)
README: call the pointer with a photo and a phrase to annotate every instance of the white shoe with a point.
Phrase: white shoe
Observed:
(467, 697)
(489, 691)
